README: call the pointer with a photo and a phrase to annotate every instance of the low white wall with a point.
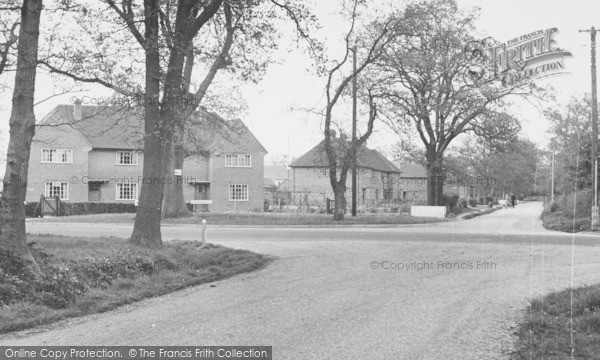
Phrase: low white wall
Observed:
(428, 211)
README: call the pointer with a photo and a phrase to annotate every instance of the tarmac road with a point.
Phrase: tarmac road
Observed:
(440, 291)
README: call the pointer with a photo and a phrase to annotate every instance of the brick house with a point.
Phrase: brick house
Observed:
(412, 184)
(88, 153)
(376, 178)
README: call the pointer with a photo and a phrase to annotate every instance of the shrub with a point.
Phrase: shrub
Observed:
(472, 202)
(582, 207)
(86, 208)
(450, 200)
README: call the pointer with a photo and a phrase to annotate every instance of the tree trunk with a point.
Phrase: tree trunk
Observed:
(174, 200)
(157, 141)
(435, 179)
(22, 128)
(146, 229)
(340, 202)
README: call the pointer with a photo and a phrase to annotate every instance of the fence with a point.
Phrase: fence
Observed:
(314, 202)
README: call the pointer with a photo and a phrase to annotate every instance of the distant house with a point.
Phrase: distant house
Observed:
(376, 175)
(412, 184)
(87, 153)
(278, 175)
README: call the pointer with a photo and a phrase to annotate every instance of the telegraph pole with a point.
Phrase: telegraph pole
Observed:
(354, 92)
(592, 32)
(552, 186)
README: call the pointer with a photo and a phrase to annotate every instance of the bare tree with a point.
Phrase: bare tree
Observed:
(342, 151)
(22, 128)
(432, 84)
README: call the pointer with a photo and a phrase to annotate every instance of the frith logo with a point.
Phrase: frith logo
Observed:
(529, 56)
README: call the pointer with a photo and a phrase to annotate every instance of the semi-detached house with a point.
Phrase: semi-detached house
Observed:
(88, 153)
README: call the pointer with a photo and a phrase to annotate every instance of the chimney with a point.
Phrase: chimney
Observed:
(77, 113)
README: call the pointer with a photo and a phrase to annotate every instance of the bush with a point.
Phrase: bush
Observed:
(450, 200)
(472, 202)
(568, 213)
(86, 208)
(455, 203)
(583, 207)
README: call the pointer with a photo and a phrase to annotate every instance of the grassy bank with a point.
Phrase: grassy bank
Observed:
(569, 212)
(90, 275)
(256, 219)
(546, 333)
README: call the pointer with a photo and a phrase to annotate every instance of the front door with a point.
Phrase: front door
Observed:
(94, 191)
(201, 192)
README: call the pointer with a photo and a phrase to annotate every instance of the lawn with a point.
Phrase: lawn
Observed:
(545, 333)
(257, 219)
(90, 275)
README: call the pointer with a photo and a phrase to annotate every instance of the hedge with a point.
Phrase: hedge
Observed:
(83, 208)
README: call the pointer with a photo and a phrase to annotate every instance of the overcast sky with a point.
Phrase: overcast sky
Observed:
(274, 105)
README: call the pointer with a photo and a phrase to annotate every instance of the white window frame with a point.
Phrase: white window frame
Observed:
(238, 160)
(134, 158)
(118, 191)
(63, 193)
(56, 156)
(231, 189)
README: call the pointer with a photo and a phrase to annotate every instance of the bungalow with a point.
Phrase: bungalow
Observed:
(88, 153)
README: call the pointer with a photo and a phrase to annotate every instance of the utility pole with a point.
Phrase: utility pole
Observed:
(354, 114)
(594, 159)
(552, 186)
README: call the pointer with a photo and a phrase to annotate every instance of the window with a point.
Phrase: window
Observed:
(238, 160)
(127, 158)
(126, 191)
(238, 192)
(57, 189)
(57, 156)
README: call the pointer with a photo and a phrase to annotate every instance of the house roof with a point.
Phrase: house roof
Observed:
(415, 171)
(105, 127)
(366, 158)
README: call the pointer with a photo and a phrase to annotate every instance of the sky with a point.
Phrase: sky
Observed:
(277, 106)
(285, 131)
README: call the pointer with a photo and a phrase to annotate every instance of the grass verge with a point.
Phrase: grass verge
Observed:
(545, 332)
(569, 212)
(256, 219)
(90, 275)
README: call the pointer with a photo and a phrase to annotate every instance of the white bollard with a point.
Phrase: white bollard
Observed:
(203, 231)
